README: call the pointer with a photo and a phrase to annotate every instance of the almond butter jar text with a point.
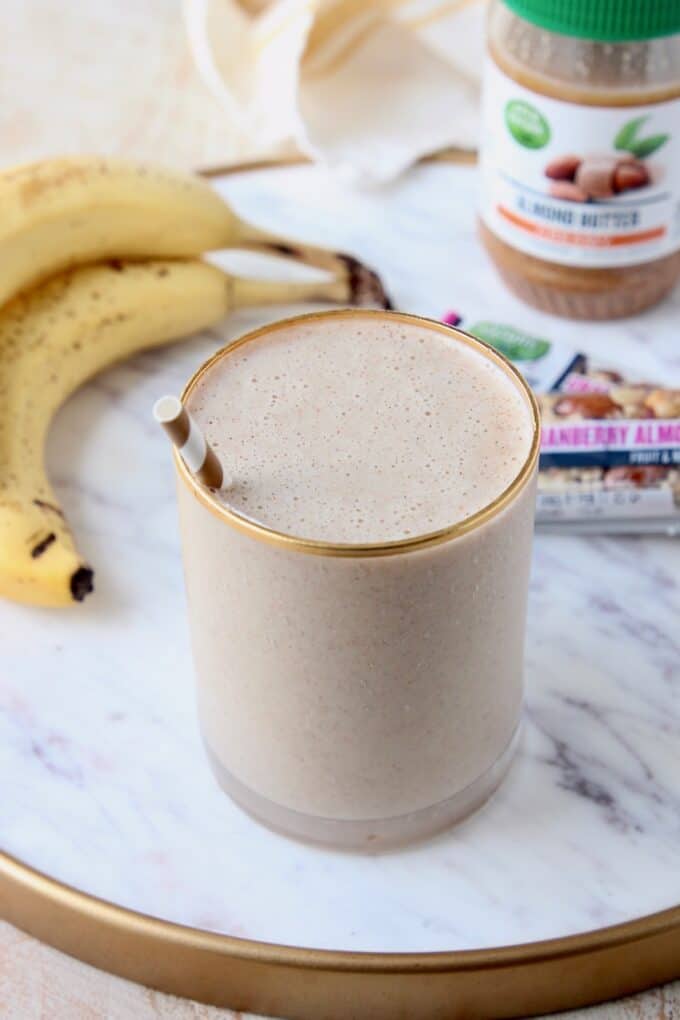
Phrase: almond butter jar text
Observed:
(580, 154)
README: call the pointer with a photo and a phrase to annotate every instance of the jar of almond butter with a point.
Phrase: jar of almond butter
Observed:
(580, 154)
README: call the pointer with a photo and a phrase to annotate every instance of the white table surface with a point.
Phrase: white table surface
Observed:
(51, 111)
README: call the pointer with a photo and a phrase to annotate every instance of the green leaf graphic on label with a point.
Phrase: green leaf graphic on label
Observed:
(513, 343)
(627, 139)
(526, 125)
(646, 146)
(628, 133)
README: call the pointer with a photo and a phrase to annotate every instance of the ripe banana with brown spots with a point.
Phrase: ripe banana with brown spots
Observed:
(68, 212)
(59, 334)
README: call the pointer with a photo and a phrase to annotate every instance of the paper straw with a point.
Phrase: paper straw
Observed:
(192, 445)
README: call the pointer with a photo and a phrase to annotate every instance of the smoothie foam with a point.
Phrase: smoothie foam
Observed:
(363, 431)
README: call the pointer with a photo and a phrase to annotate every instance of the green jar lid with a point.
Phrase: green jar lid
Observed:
(602, 20)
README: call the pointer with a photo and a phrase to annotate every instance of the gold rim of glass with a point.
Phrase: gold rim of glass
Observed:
(367, 549)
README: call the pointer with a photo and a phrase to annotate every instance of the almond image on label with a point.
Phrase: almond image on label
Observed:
(567, 191)
(563, 168)
(595, 176)
(580, 179)
(630, 174)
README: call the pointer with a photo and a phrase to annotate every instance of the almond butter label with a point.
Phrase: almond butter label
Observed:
(579, 185)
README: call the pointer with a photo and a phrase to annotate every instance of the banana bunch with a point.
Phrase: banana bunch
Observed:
(99, 259)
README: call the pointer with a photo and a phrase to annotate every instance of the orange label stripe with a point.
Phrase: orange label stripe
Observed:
(572, 237)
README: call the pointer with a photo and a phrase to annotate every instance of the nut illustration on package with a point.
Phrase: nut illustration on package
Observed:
(594, 177)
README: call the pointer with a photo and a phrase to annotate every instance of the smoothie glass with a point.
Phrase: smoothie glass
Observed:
(360, 695)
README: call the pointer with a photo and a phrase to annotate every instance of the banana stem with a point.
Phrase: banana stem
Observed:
(246, 293)
(361, 279)
(256, 239)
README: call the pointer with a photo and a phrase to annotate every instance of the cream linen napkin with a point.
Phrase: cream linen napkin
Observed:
(364, 86)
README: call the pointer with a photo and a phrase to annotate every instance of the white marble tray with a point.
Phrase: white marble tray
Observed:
(104, 783)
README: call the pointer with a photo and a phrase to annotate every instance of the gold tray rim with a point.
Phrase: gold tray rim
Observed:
(302, 983)
(14, 870)
(456, 156)
(322, 984)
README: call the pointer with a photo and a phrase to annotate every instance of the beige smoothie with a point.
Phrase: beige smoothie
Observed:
(357, 596)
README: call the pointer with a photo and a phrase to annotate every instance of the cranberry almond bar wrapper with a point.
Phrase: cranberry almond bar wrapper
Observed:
(610, 458)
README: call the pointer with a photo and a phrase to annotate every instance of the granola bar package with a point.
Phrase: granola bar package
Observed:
(610, 458)
(610, 445)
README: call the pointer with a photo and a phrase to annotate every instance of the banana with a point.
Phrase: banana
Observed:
(55, 337)
(68, 212)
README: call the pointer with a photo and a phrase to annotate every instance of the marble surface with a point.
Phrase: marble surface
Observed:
(105, 785)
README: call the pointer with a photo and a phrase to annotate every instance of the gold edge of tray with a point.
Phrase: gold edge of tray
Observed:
(310, 984)
(462, 157)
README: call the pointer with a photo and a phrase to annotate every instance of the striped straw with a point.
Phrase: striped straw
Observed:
(193, 448)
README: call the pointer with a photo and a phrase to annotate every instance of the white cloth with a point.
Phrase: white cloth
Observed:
(365, 86)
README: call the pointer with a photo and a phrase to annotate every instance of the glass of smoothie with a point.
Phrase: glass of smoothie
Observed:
(357, 595)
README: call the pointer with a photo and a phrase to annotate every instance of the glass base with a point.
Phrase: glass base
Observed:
(367, 835)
